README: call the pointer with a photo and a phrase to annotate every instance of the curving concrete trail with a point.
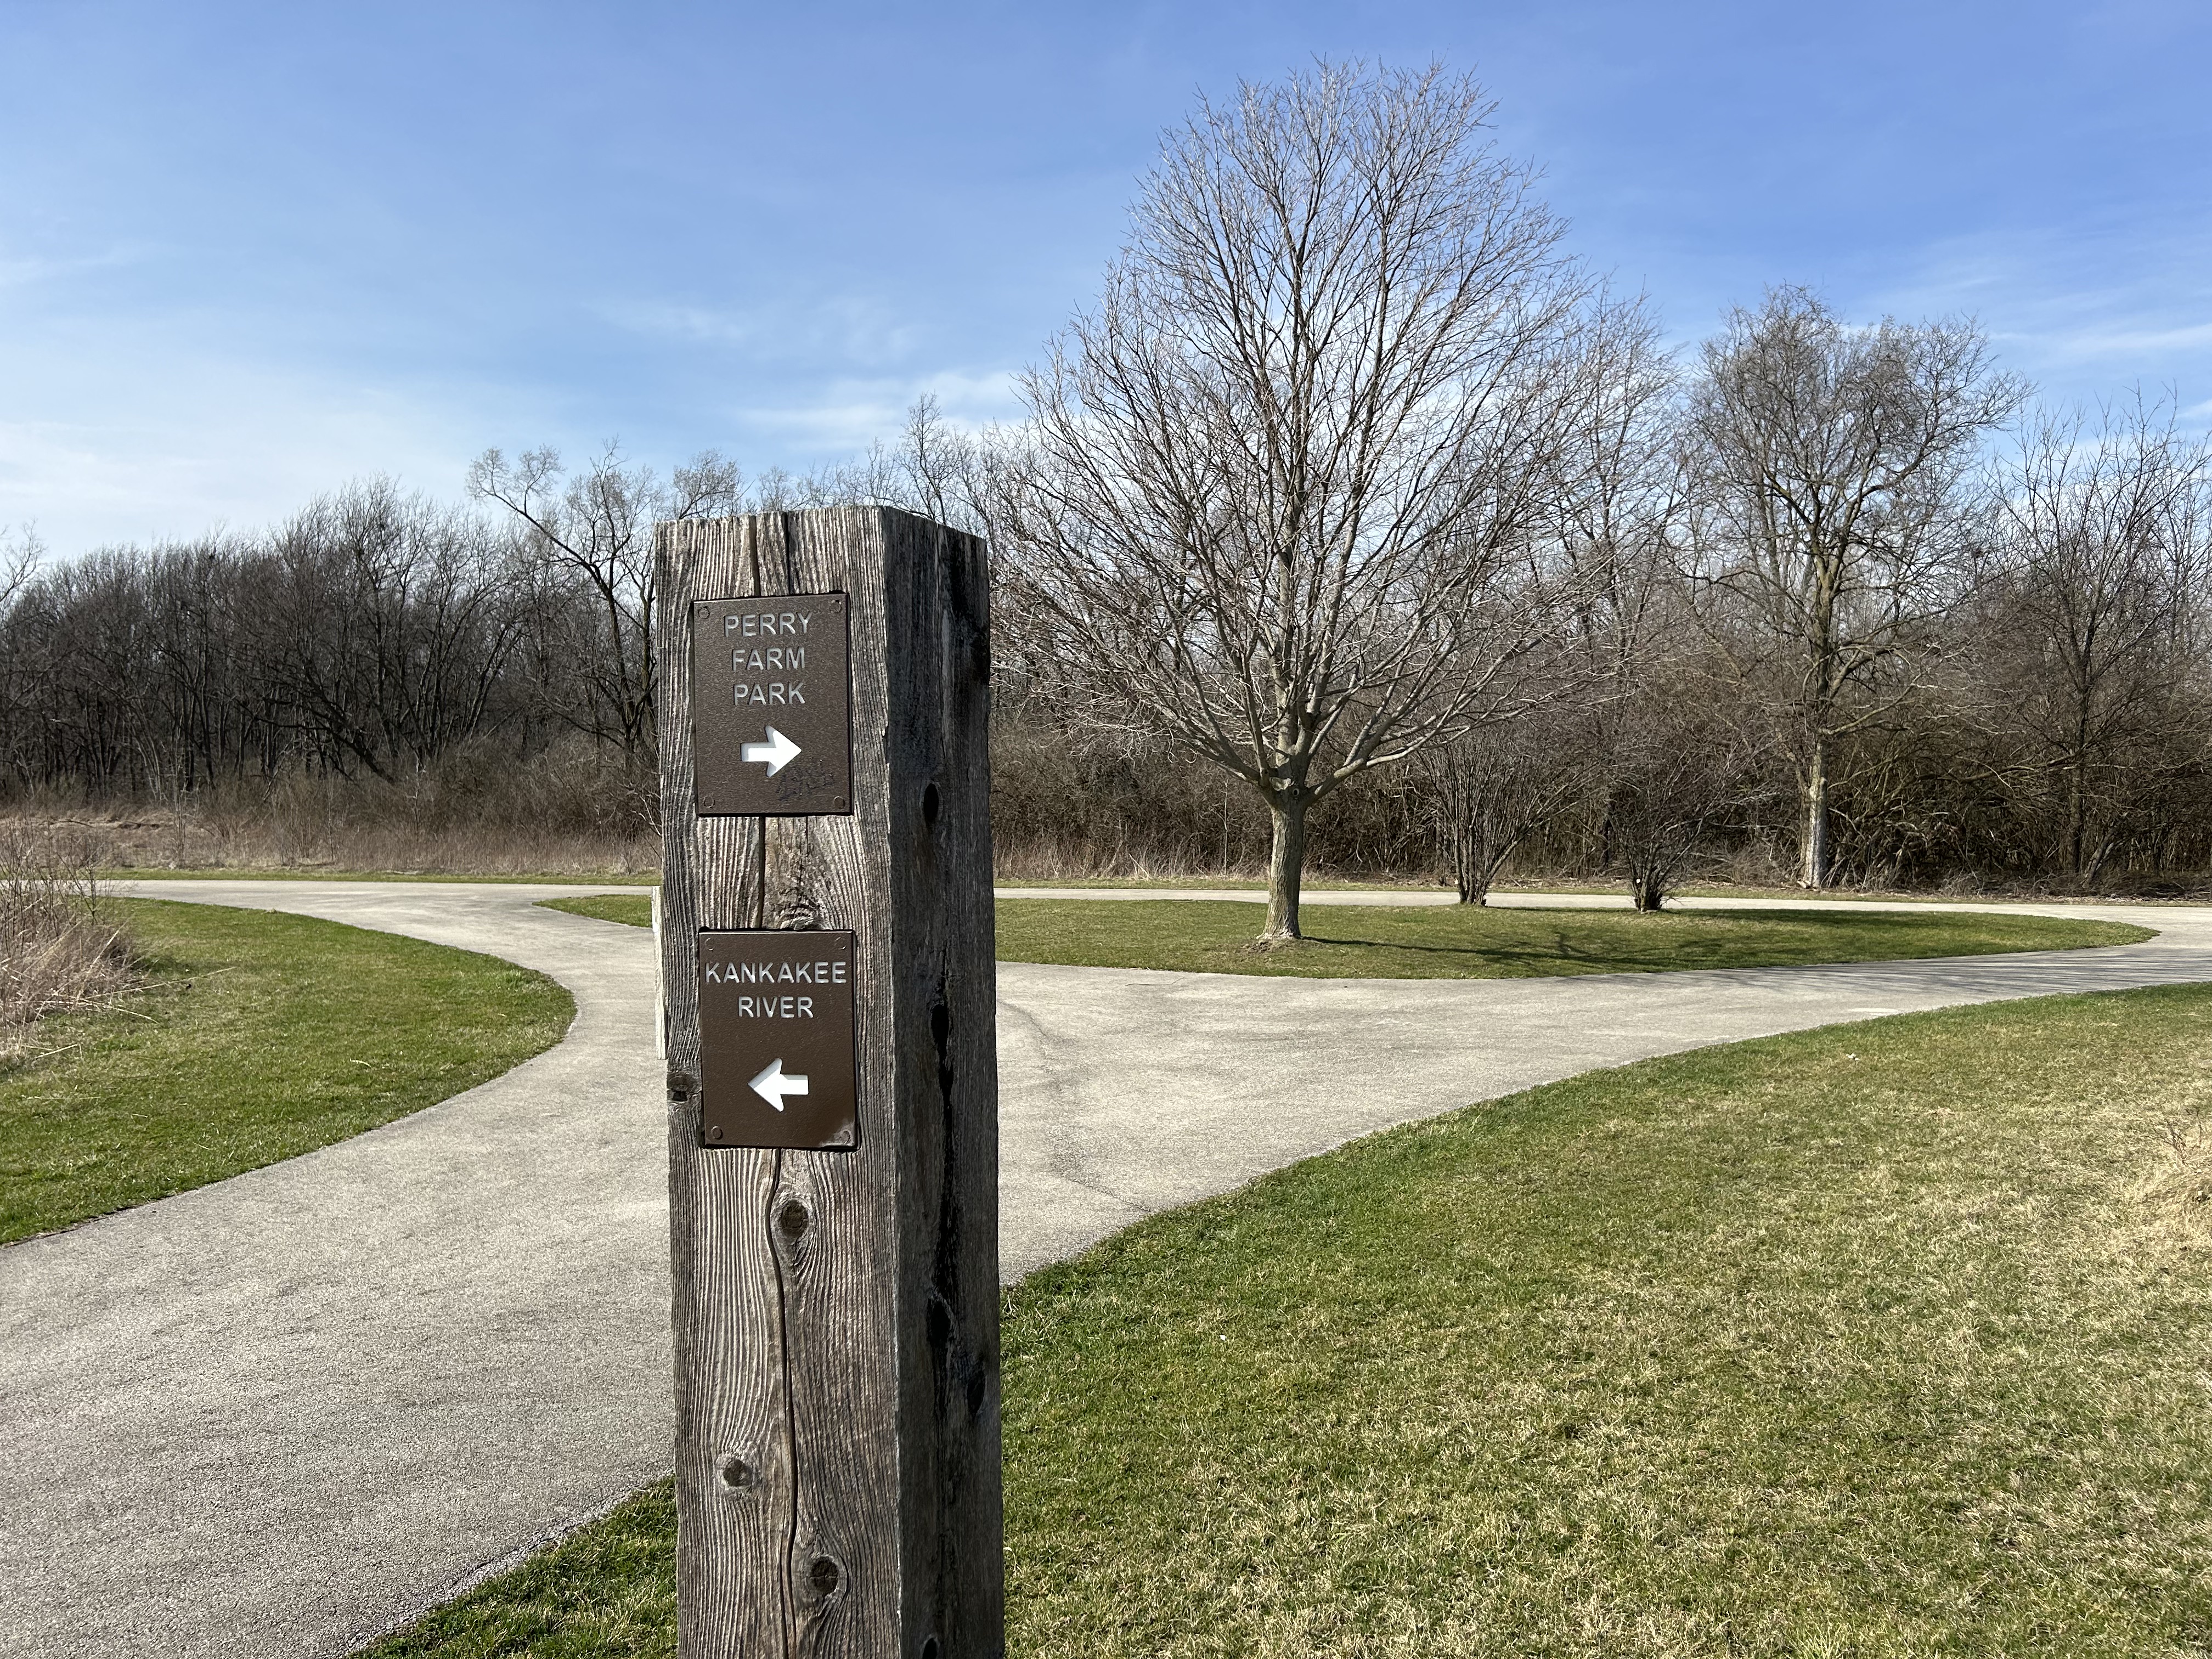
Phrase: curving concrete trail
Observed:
(279, 1413)
(269, 1415)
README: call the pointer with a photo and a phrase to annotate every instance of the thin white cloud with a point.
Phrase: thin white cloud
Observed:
(852, 414)
(25, 271)
(2123, 341)
(134, 439)
(2085, 313)
(847, 327)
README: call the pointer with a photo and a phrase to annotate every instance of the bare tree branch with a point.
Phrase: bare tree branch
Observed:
(1282, 500)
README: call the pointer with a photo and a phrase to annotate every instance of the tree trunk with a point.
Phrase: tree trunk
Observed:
(1463, 861)
(2077, 818)
(1813, 872)
(1287, 861)
(1647, 887)
(1476, 872)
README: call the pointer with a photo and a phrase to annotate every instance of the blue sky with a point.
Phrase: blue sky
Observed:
(249, 251)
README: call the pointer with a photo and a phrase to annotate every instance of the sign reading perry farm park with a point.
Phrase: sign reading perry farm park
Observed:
(777, 1063)
(771, 712)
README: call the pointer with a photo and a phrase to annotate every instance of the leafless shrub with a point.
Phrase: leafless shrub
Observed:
(1486, 792)
(1680, 773)
(56, 952)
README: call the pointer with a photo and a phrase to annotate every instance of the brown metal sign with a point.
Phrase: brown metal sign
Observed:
(777, 1062)
(771, 706)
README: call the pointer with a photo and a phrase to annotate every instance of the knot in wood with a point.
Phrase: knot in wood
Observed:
(825, 1575)
(793, 1219)
(736, 1473)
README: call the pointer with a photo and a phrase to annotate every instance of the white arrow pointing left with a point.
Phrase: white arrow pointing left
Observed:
(778, 751)
(774, 1084)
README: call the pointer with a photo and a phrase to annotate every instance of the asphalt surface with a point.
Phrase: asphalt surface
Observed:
(278, 1414)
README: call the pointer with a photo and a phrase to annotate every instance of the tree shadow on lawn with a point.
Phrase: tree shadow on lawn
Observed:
(1723, 938)
(1560, 950)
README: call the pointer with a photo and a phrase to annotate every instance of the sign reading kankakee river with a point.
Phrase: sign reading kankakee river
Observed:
(771, 716)
(776, 1057)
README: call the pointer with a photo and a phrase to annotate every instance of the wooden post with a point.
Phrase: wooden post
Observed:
(837, 1310)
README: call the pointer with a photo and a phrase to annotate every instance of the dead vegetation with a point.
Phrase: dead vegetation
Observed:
(477, 812)
(57, 952)
(2179, 1190)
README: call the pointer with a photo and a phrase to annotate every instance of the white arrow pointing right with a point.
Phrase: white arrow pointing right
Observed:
(774, 1083)
(778, 751)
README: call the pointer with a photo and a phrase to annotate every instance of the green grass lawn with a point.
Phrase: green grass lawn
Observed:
(1888, 1340)
(1459, 942)
(633, 908)
(1221, 884)
(1471, 942)
(258, 1037)
(293, 873)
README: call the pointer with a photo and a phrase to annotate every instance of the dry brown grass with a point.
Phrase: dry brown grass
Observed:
(569, 811)
(2178, 1192)
(57, 952)
(140, 839)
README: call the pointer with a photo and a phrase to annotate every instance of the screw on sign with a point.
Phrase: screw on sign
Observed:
(833, 1137)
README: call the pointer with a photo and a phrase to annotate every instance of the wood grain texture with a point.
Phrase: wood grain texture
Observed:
(836, 1313)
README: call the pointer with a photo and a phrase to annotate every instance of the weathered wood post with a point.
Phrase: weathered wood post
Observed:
(833, 1087)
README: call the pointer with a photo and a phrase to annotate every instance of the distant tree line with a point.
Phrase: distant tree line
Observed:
(1353, 523)
(2004, 678)
(374, 636)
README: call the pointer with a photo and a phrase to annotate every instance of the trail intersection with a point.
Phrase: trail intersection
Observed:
(279, 1413)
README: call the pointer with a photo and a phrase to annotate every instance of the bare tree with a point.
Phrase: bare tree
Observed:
(1283, 499)
(2086, 630)
(393, 618)
(1680, 770)
(1609, 506)
(21, 552)
(1618, 499)
(1833, 461)
(1612, 504)
(1485, 792)
(596, 528)
(935, 469)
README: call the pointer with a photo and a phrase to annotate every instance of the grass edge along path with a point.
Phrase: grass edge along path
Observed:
(258, 1035)
(631, 909)
(1451, 942)
(1884, 1339)
(294, 872)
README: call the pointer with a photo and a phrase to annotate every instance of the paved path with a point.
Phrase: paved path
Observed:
(275, 1414)
(264, 1416)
